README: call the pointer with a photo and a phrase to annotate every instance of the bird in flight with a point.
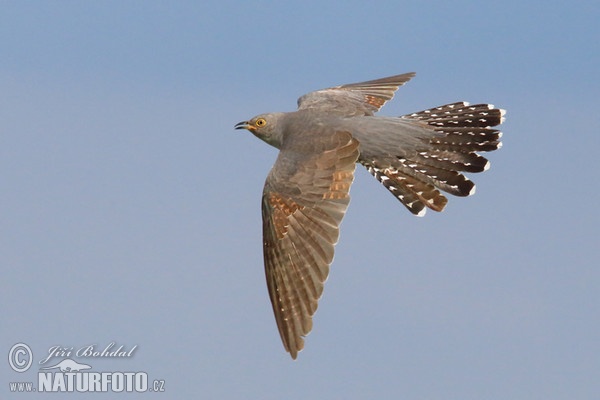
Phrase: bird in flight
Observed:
(415, 156)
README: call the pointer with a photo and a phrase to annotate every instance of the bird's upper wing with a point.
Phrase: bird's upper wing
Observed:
(364, 98)
(304, 200)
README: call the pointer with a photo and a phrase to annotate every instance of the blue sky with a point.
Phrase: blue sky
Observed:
(130, 208)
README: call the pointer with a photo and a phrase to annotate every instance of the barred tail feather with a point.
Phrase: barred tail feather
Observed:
(412, 192)
(448, 180)
(460, 115)
(473, 139)
(452, 160)
(462, 127)
(459, 131)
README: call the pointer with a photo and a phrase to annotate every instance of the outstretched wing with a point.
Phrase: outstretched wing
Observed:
(364, 98)
(304, 200)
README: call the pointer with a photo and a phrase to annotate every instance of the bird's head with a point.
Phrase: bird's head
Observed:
(267, 127)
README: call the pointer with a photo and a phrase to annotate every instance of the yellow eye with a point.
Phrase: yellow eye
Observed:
(260, 122)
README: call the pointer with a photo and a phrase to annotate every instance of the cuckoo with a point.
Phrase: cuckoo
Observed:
(416, 157)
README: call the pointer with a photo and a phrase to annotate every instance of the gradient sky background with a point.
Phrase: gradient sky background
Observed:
(130, 208)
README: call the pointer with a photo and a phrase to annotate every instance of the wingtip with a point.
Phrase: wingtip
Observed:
(293, 353)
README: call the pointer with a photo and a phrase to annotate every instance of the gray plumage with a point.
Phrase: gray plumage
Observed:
(306, 194)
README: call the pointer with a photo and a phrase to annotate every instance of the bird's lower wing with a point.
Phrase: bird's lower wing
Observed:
(302, 209)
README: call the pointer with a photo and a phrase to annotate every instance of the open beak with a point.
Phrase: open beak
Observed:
(242, 125)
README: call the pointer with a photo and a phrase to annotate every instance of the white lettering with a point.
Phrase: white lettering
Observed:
(92, 381)
(117, 382)
(82, 385)
(91, 351)
(59, 383)
(141, 382)
(106, 380)
(45, 381)
(57, 351)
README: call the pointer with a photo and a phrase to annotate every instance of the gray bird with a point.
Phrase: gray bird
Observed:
(306, 193)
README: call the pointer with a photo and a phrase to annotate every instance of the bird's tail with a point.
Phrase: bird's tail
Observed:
(459, 131)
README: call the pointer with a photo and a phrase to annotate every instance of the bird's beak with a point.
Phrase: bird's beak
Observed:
(242, 125)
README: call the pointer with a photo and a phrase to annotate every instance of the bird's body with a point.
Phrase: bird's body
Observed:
(306, 194)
